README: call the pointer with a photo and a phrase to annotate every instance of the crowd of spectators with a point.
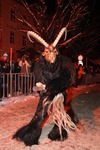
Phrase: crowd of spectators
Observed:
(24, 66)
(4, 69)
(82, 71)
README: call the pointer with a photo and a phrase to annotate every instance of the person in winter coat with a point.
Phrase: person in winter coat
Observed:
(25, 65)
(4, 69)
(17, 70)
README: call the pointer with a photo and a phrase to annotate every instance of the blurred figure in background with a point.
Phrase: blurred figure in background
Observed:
(4, 69)
(25, 65)
(17, 70)
(81, 73)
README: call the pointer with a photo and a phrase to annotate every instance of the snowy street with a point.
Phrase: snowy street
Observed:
(18, 111)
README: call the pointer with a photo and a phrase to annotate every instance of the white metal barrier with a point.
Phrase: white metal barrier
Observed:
(14, 84)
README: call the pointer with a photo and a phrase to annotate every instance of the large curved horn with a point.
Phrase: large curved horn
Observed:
(59, 36)
(37, 37)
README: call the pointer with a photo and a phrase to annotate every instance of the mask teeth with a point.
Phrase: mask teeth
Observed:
(59, 36)
(37, 37)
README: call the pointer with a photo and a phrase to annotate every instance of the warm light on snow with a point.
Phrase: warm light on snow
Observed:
(18, 111)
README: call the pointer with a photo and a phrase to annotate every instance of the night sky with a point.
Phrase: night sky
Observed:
(51, 5)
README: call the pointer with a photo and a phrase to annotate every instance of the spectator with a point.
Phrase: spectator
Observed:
(81, 74)
(4, 69)
(25, 65)
(17, 70)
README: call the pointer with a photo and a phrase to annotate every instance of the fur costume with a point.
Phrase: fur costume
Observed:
(54, 74)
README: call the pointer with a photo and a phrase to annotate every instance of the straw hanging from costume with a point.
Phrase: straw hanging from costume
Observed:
(59, 115)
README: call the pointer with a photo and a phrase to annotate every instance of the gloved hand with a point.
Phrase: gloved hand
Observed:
(39, 87)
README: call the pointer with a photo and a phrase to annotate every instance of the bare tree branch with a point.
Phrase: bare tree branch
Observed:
(70, 40)
(74, 15)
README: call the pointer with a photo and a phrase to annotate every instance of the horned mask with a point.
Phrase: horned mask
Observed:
(50, 52)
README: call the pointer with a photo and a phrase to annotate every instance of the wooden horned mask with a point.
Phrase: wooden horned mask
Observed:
(50, 52)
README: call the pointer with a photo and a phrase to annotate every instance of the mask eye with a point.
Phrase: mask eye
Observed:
(55, 51)
(46, 51)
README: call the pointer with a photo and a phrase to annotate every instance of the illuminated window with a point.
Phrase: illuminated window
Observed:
(12, 37)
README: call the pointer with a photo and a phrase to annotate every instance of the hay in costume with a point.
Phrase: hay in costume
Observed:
(54, 73)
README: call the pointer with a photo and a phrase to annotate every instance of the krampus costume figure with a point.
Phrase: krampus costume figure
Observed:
(54, 74)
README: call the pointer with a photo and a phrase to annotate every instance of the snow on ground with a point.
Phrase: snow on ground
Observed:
(18, 111)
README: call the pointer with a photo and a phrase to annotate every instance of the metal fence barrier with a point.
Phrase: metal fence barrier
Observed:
(92, 79)
(14, 84)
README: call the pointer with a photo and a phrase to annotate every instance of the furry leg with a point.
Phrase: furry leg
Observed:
(31, 132)
(63, 121)
(73, 116)
(55, 135)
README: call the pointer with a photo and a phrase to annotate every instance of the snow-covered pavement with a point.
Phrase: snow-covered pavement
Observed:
(18, 111)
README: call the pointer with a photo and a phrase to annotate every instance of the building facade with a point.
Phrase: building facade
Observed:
(11, 35)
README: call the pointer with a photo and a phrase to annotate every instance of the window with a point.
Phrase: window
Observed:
(24, 40)
(12, 14)
(12, 37)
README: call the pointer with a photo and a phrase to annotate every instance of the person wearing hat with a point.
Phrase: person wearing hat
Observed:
(5, 64)
(4, 69)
